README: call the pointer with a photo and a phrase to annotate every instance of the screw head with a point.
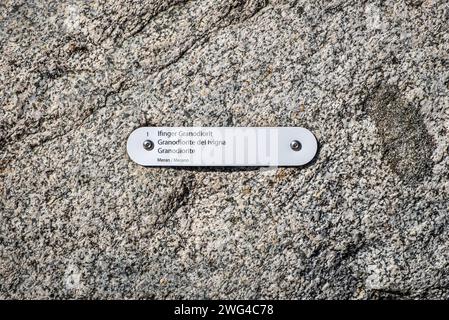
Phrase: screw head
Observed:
(148, 145)
(295, 145)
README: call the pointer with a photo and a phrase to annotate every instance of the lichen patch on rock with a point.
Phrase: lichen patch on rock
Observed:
(406, 144)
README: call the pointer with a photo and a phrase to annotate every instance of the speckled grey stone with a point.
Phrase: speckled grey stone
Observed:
(369, 218)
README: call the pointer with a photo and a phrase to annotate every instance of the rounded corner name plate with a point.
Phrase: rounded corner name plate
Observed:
(221, 146)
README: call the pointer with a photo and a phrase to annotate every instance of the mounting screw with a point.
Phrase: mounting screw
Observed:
(295, 145)
(148, 145)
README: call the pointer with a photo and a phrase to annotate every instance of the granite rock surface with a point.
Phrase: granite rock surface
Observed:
(367, 219)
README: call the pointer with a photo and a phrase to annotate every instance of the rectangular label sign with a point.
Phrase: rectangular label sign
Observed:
(221, 146)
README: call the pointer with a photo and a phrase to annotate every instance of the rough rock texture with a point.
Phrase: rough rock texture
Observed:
(369, 218)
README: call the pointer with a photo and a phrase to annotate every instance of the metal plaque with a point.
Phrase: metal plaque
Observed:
(221, 146)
